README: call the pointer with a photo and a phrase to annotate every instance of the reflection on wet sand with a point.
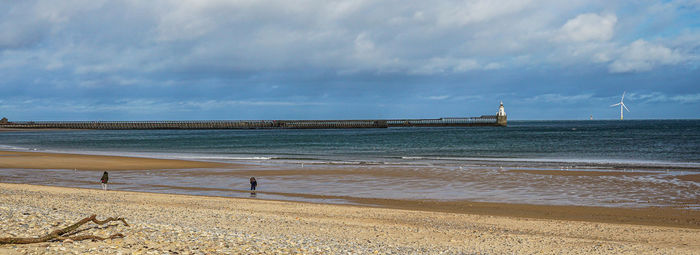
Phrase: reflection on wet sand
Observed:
(516, 190)
(690, 177)
(582, 173)
(441, 183)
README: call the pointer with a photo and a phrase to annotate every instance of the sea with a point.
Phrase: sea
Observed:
(439, 163)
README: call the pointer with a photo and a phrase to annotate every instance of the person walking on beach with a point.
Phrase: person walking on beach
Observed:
(253, 183)
(104, 179)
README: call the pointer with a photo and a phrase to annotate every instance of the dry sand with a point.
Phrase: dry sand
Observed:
(163, 223)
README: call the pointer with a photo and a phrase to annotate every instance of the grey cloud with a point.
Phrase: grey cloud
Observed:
(218, 38)
(19, 31)
(348, 36)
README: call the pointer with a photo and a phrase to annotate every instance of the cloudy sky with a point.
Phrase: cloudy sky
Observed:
(287, 59)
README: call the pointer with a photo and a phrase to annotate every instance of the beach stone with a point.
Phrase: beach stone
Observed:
(161, 224)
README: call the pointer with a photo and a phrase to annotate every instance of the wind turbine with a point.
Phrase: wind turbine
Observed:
(621, 104)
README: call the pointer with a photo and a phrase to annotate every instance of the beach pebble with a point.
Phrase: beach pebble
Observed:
(166, 224)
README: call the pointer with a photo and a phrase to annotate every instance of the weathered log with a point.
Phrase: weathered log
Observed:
(65, 233)
(90, 237)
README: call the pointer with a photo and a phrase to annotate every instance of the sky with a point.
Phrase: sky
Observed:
(343, 59)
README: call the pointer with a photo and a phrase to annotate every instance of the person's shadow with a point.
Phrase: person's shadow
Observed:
(253, 194)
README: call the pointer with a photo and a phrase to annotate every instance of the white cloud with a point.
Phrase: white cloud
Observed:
(364, 47)
(440, 65)
(558, 98)
(588, 27)
(209, 104)
(590, 37)
(644, 56)
(443, 97)
(143, 105)
(689, 98)
(630, 98)
(658, 97)
(493, 66)
(467, 12)
(451, 65)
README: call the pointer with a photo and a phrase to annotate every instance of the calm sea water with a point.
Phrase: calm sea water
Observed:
(636, 142)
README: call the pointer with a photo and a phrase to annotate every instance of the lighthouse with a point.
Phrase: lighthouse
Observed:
(501, 116)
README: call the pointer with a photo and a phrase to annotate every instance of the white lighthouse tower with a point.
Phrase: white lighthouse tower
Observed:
(501, 116)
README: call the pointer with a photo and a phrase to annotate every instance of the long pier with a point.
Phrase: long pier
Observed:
(256, 124)
(484, 120)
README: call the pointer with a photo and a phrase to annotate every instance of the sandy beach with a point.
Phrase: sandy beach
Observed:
(185, 224)
(180, 224)
(349, 127)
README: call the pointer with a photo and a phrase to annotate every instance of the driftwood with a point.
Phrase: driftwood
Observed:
(67, 233)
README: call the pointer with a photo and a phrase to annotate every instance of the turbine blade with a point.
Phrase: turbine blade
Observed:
(623, 105)
(615, 105)
(623, 96)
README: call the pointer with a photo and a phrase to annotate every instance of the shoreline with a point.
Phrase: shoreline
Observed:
(200, 224)
(584, 164)
(654, 216)
(648, 216)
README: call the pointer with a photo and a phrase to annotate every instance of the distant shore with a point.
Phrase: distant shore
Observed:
(215, 225)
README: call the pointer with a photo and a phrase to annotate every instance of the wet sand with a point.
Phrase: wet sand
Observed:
(42, 160)
(582, 173)
(653, 216)
(165, 223)
(690, 177)
(675, 216)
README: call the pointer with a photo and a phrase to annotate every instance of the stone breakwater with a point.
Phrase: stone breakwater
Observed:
(178, 224)
(484, 120)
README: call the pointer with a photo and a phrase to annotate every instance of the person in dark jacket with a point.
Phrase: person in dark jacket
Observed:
(104, 180)
(253, 183)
